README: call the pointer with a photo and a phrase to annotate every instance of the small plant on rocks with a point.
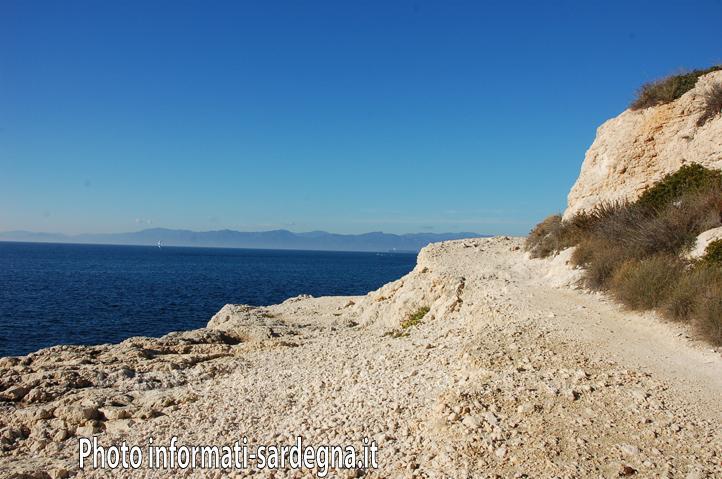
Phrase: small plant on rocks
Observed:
(414, 318)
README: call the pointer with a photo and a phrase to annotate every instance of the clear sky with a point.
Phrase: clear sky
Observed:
(347, 116)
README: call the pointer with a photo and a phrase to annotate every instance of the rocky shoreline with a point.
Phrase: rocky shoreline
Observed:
(511, 372)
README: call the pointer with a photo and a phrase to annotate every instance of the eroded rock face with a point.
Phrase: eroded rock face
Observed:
(50, 397)
(636, 149)
(435, 283)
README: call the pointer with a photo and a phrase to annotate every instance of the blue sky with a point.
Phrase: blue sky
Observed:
(344, 116)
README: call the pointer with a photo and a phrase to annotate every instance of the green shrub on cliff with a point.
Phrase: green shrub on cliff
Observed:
(692, 178)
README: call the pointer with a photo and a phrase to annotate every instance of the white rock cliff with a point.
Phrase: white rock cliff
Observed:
(638, 147)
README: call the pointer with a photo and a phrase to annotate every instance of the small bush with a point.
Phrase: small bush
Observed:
(581, 223)
(414, 318)
(675, 228)
(692, 178)
(682, 299)
(646, 284)
(685, 297)
(713, 104)
(586, 250)
(708, 313)
(553, 235)
(544, 239)
(601, 259)
(620, 226)
(668, 89)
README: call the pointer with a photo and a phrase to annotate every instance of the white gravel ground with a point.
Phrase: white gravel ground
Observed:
(511, 373)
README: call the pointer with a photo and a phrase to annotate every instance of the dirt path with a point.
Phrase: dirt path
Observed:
(639, 341)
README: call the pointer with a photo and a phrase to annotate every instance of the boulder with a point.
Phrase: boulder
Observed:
(247, 323)
(703, 240)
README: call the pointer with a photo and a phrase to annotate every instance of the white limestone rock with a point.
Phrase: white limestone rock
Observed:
(703, 240)
(639, 147)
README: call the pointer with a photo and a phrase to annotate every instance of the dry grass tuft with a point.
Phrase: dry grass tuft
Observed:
(601, 259)
(713, 104)
(707, 318)
(668, 89)
(646, 284)
(544, 239)
(684, 298)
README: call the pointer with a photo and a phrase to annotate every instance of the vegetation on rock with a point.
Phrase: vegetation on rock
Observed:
(688, 179)
(668, 89)
(712, 104)
(415, 318)
(634, 249)
(713, 253)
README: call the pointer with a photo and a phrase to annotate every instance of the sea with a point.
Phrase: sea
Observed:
(92, 294)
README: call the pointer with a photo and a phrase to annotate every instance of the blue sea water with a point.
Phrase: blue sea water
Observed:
(91, 294)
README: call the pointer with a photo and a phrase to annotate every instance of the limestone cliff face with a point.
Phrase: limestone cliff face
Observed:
(637, 148)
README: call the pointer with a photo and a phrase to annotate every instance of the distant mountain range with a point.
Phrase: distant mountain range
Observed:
(276, 239)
